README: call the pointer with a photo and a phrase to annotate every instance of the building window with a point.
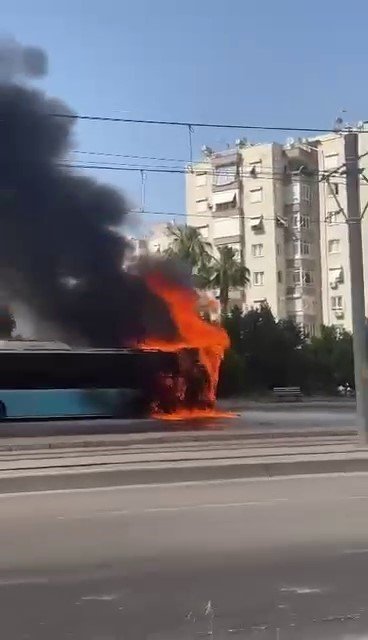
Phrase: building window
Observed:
(296, 277)
(256, 223)
(337, 302)
(256, 195)
(201, 205)
(258, 278)
(305, 222)
(201, 179)
(255, 168)
(278, 249)
(257, 250)
(308, 277)
(295, 189)
(301, 221)
(333, 189)
(305, 192)
(334, 217)
(301, 248)
(226, 206)
(331, 161)
(336, 276)
(224, 175)
(333, 246)
(279, 277)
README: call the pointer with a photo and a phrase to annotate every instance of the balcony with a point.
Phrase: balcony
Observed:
(302, 157)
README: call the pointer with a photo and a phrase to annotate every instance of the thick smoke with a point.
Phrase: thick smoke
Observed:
(61, 253)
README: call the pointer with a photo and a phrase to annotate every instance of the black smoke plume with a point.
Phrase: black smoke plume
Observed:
(61, 252)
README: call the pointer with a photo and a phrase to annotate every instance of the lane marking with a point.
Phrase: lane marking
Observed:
(301, 590)
(217, 505)
(106, 597)
(355, 551)
(13, 582)
(189, 507)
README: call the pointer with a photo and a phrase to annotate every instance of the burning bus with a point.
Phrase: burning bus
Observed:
(47, 382)
(64, 258)
(173, 378)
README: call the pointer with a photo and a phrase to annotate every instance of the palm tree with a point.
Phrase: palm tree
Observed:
(188, 244)
(225, 273)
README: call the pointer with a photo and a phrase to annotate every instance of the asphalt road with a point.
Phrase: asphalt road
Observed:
(246, 559)
(299, 416)
(275, 417)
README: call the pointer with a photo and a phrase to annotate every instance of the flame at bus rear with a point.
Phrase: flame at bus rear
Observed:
(193, 332)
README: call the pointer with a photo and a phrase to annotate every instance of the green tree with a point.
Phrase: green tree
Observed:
(188, 244)
(224, 273)
(271, 351)
(7, 323)
(329, 360)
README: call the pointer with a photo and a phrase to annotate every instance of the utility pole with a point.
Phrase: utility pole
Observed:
(353, 220)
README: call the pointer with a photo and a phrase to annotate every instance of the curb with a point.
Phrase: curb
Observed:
(273, 405)
(166, 437)
(178, 473)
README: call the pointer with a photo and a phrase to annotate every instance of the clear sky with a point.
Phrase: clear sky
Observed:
(267, 62)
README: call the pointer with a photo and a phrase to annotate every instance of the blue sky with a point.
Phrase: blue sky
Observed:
(274, 63)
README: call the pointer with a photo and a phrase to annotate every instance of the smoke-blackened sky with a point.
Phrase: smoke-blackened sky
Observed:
(61, 252)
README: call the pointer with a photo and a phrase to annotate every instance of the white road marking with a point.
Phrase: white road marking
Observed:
(217, 505)
(189, 507)
(301, 590)
(10, 582)
(355, 551)
(107, 597)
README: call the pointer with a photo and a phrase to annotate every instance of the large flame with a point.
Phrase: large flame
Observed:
(210, 340)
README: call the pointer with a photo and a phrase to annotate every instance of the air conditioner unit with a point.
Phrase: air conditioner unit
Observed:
(339, 313)
(333, 285)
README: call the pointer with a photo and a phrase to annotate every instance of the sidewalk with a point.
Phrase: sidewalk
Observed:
(181, 458)
(270, 404)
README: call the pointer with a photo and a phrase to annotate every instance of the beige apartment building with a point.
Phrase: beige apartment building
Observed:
(335, 269)
(263, 200)
(268, 201)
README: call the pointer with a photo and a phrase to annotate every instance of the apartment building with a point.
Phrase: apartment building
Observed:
(335, 268)
(263, 200)
(156, 241)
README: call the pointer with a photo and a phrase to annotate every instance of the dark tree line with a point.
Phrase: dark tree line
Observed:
(7, 323)
(266, 353)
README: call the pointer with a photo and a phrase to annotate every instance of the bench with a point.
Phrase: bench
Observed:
(287, 393)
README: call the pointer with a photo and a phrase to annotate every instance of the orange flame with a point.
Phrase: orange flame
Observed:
(194, 332)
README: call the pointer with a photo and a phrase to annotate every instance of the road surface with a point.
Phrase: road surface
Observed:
(273, 417)
(242, 559)
(298, 416)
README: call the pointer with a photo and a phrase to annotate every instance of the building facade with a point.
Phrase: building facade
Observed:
(263, 200)
(335, 267)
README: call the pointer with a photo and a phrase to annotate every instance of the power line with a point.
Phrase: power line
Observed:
(232, 217)
(124, 155)
(184, 171)
(208, 125)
